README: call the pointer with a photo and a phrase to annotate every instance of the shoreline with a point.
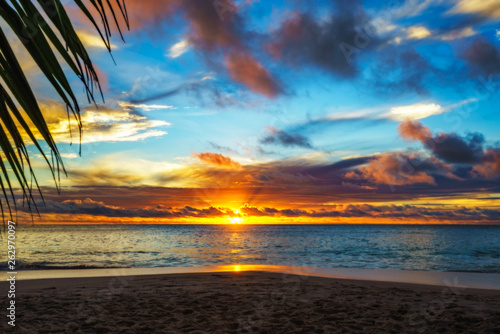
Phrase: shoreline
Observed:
(488, 281)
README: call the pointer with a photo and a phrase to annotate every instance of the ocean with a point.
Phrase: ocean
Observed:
(462, 248)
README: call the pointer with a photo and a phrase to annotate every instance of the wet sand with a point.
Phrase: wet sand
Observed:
(247, 302)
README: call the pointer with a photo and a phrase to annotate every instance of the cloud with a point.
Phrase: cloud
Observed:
(243, 68)
(412, 8)
(146, 107)
(447, 147)
(222, 148)
(280, 137)
(101, 125)
(97, 208)
(417, 32)
(101, 209)
(414, 130)
(91, 40)
(416, 111)
(144, 14)
(375, 115)
(217, 159)
(489, 167)
(209, 33)
(458, 33)
(207, 30)
(400, 169)
(482, 56)
(312, 181)
(326, 44)
(296, 188)
(122, 169)
(455, 149)
(379, 211)
(447, 34)
(179, 48)
(401, 70)
(485, 8)
(139, 95)
(69, 155)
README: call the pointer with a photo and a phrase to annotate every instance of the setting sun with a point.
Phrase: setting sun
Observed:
(235, 220)
(238, 219)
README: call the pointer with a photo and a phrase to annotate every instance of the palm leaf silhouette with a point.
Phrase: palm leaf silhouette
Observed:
(46, 32)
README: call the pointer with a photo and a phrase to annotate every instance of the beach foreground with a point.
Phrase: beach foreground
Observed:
(246, 302)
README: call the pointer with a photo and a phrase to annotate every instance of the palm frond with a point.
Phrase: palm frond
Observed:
(46, 31)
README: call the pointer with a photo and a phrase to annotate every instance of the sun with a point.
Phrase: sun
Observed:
(235, 220)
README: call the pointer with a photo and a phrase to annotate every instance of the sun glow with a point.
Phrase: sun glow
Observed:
(235, 220)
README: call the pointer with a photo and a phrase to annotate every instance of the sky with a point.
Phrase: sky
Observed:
(284, 112)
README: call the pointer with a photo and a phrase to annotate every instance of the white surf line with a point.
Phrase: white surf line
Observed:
(438, 278)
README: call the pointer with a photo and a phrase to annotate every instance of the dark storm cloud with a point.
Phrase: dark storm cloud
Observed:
(330, 44)
(456, 149)
(489, 168)
(95, 208)
(280, 137)
(448, 147)
(338, 166)
(347, 34)
(207, 91)
(324, 123)
(380, 211)
(217, 30)
(452, 148)
(158, 96)
(482, 56)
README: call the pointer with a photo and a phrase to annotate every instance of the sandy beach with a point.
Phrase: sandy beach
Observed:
(248, 302)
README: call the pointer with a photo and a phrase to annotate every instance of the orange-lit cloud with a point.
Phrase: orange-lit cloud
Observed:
(217, 159)
(396, 169)
(405, 213)
(489, 168)
(140, 13)
(414, 130)
(244, 69)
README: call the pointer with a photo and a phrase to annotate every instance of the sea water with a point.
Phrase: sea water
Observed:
(463, 248)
